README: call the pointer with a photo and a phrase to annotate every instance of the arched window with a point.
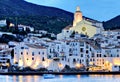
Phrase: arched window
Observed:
(43, 59)
(74, 60)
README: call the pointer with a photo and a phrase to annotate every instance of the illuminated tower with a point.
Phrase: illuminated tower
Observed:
(77, 16)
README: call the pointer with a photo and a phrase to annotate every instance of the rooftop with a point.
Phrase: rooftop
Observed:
(35, 46)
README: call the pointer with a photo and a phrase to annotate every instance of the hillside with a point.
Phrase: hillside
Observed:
(21, 7)
(40, 17)
(113, 23)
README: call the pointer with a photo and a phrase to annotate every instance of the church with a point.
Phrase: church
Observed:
(82, 25)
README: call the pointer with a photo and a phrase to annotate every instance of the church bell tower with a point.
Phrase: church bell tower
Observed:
(77, 16)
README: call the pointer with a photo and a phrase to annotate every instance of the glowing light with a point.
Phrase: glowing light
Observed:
(20, 63)
(45, 64)
(91, 63)
(21, 78)
(78, 65)
(78, 76)
(116, 61)
(29, 62)
(7, 64)
(36, 65)
(12, 25)
(60, 65)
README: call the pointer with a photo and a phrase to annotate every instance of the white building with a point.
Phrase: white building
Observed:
(101, 52)
(31, 55)
(5, 59)
(25, 28)
(2, 23)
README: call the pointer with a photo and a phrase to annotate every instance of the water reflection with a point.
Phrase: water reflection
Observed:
(62, 78)
(14, 79)
(7, 78)
(36, 78)
(78, 76)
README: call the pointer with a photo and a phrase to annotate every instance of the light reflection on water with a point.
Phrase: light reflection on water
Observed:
(61, 78)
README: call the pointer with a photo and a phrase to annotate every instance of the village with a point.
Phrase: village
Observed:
(83, 46)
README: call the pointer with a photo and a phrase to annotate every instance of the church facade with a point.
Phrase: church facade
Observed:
(82, 25)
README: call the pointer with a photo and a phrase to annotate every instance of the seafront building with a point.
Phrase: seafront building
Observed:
(96, 53)
(6, 58)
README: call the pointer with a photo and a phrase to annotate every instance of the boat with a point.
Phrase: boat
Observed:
(48, 76)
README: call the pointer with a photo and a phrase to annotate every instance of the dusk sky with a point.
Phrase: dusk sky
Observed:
(101, 10)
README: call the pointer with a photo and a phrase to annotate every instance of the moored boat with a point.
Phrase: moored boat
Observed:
(48, 76)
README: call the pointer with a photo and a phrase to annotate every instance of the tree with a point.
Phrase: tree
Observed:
(8, 23)
(67, 67)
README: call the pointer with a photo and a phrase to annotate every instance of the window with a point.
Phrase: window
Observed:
(43, 59)
(90, 49)
(87, 51)
(115, 66)
(87, 46)
(49, 56)
(118, 55)
(22, 47)
(105, 56)
(43, 53)
(82, 44)
(32, 58)
(32, 53)
(58, 47)
(21, 53)
(98, 55)
(80, 60)
(111, 55)
(67, 43)
(81, 49)
(50, 51)
(38, 52)
(74, 60)
(93, 55)
(27, 53)
(81, 55)
(76, 43)
(117, 50)
(68, 60)
(67, 31)
(90, 59)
